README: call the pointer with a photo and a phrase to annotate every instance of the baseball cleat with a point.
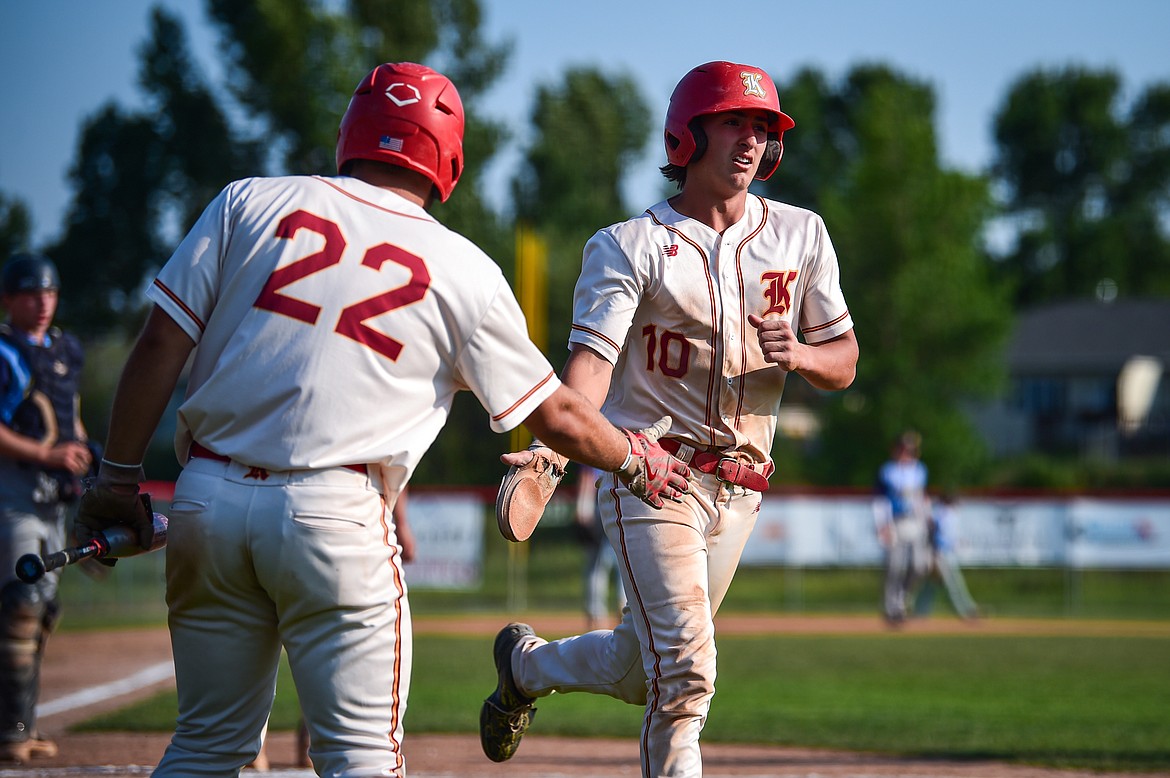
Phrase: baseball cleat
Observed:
(506, 714)
(22, 751)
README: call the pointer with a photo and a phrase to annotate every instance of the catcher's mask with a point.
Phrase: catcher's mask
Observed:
(26, 272)
(407, 115)
(723, 86)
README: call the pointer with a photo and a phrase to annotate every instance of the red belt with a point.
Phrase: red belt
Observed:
(722, 467)
(198, 451)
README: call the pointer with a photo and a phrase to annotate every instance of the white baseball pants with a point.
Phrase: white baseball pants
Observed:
(677, 564)
(303, 559)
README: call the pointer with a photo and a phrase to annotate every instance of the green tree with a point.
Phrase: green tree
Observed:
(111, 234)
(929, 321)
(293, 66)
(15, 226)
(1086, 185)
(587, 128)
(140, 179)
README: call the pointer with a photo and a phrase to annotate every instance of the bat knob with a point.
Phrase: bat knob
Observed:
(30, 568)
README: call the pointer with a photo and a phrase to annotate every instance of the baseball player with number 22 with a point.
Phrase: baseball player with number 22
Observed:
(688, 310)
(332, 320)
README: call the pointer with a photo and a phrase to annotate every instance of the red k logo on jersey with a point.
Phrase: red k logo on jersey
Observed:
(777, 291)
(751, 84)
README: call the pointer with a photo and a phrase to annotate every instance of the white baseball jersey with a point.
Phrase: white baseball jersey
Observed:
(666, 299)
(335, 321)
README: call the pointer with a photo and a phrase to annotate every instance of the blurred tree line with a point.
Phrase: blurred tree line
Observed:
(934, 261)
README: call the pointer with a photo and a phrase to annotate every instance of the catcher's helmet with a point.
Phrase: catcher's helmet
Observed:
(407, 115)
(27, 272)
(723, 86)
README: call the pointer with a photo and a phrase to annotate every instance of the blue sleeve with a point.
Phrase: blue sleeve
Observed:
(14, 380)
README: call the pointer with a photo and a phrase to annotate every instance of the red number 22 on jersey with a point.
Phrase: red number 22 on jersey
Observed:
(352, 321)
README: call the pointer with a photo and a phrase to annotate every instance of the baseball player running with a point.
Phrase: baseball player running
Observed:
(331, 320)
(690, 309)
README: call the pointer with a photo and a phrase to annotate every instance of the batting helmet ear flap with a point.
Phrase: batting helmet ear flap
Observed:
(771, 157)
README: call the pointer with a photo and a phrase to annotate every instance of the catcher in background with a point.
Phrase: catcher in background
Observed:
(43, 453)
(689, 311)
(330, 322)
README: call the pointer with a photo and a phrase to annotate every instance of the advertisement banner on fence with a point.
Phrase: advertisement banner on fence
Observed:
(814, 530)
(448, 532)
(1111, 533)
(1027, 533)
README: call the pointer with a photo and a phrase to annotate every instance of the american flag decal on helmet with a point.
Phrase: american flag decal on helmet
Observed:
(390, 144)
(670, 251)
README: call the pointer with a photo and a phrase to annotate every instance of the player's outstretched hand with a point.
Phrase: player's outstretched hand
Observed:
(111, 499)
(532, 477)
(653, 473)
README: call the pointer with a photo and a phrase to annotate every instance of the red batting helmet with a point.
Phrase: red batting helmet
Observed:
(716, 87)
(407, 115)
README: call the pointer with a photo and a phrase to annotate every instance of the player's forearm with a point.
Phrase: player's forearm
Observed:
(589, 373)
(145, 388)
(831, 365)
(13, 445)
(567, 423)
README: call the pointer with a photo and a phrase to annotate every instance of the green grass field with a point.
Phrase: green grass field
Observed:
(1085, 702)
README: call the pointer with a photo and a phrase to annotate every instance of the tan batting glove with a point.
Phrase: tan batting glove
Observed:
(532, 477)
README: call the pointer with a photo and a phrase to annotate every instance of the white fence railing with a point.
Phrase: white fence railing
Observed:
(817, 530)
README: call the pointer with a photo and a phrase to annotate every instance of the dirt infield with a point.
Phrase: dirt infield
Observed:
(137, 658)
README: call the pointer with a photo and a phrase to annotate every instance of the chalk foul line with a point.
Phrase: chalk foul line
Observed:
(94, 694)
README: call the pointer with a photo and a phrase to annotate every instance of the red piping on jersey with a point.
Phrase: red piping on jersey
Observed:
(598, 335)
(743, 325)
(527, 394)
(198, 322)
(384, 209)
(654, 695)
(395, 684)
(708, 420)
(826, 325)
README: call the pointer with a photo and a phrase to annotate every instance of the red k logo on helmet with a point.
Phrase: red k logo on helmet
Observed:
(751, 84)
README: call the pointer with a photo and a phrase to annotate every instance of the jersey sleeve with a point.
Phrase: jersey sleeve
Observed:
(606, 297)
(187, 286)
(14, 381)
(503, 367)
(824, 313)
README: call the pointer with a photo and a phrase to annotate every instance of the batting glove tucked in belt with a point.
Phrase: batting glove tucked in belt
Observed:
(112, 499)
(650, 473)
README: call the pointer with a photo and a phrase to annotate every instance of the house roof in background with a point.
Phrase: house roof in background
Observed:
(1089, 336)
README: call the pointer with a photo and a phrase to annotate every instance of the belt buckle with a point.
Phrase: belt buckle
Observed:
(727, 469)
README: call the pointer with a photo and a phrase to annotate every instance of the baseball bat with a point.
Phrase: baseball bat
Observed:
(113, 542)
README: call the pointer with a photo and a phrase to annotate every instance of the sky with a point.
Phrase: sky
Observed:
(61, 60)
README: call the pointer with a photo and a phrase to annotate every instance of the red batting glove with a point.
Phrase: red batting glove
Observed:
(652, 473)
